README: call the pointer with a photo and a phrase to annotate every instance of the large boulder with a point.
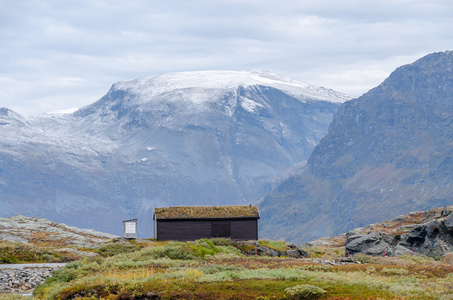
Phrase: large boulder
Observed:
(370, 244)
(433, 239)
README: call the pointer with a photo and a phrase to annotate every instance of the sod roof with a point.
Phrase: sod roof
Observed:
(206, 212)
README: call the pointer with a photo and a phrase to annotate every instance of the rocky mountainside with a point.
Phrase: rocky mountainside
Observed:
(387, 153)
(422, 232)
(43, 232)
(429, 233)
(194, 138)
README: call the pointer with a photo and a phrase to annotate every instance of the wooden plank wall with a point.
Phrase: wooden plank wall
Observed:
(244, 230)
(183, 230)
(189, 230)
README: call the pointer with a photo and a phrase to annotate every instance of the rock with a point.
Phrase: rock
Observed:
(293, 250)
(448, 223)
(417, 236)
(445, 212)
(448, 258)
(347, 260)
(297, 253)
(22, 229)
(401, 250)
(22, 280)
(369, 244)
(265, 251)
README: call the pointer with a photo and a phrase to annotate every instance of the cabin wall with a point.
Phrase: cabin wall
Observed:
(244, 230)
(189, 230)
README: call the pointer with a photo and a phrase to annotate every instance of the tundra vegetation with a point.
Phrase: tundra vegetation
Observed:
(17, 253)
(217, 269)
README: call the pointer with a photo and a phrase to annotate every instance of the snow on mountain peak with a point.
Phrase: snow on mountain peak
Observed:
(201, 86)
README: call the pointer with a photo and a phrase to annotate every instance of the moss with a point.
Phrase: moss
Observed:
(188, 212)
(276, 245)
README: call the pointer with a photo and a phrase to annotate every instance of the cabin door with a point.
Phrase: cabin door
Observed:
(220, 229)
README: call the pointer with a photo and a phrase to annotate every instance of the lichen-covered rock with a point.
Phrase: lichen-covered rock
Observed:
(30, 230)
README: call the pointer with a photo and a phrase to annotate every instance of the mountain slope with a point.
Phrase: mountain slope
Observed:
(194, 138)
(387, 152)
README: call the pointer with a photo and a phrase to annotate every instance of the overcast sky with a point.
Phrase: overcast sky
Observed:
(63, 54)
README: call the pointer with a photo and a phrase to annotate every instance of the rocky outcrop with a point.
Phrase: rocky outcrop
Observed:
(42, 232)
(251, 248)
(433, 236)
(22, 280)
(370, 244)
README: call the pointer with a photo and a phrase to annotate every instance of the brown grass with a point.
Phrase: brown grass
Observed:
(188, 212)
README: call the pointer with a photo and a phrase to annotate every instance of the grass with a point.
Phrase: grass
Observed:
(15, 253)
(214, 269)
(321, 252)
(276, 245)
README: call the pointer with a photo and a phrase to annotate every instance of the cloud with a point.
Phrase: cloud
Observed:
(58, 55)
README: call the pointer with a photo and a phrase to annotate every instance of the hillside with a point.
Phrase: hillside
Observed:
(219, 268)
(428, 233)
(193, 138)
(215, 269)
(42, 232)
(387, 153)
(33, 240)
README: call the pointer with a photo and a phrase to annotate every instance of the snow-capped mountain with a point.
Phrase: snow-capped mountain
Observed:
(193, 138)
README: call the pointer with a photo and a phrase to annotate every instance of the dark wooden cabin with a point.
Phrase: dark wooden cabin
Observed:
(188, 223)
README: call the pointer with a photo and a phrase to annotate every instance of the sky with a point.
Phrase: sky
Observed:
(60, 55)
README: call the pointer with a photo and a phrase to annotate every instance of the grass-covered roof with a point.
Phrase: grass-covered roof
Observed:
(206, 212)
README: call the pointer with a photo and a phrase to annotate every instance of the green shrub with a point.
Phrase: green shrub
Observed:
(305, 291)
(368, 259)
(228, 273)
(393, 271)
(14, 253)
(115, 249)
(326, 268)
(222, 241)
(187, 250)
(422, 259)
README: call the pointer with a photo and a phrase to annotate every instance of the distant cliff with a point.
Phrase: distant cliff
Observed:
(387, 153)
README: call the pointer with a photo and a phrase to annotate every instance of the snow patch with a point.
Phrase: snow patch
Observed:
(205, 86)
(250, 105)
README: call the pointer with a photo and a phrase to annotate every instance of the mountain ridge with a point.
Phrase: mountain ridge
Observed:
(386, 153)
(121, 156)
